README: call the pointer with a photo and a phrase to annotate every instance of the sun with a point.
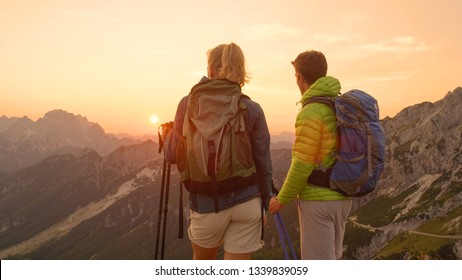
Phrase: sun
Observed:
(154, 119)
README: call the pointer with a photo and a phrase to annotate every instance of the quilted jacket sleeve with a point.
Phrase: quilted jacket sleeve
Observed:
(315, 139)
(260, 141)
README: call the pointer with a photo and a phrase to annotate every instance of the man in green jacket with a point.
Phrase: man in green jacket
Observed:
(322, 212)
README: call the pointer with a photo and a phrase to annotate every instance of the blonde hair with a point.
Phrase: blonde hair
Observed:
(227, 61)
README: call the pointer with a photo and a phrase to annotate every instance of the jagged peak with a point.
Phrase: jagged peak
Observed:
(457, 90)
(24, 119)
(89, 153)
(148, 144)
(15, 123)
(453, 95)
(59, 113)
(410, 111)
(5, 118)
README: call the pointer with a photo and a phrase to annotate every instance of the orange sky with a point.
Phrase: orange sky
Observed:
(119, 62)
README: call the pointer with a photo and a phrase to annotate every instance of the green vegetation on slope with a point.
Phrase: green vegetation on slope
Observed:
(418, 245)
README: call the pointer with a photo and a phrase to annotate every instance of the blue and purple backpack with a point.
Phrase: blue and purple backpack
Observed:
(361, 156)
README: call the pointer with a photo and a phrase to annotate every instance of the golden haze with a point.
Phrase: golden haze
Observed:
(119, 62)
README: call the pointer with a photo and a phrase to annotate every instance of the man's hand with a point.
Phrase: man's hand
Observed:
(274, 205)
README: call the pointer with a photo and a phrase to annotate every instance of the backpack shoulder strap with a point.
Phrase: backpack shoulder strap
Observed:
(245, 96)
(245, 110)
(321, 99)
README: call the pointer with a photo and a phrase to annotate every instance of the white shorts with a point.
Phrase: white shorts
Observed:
(238, 228)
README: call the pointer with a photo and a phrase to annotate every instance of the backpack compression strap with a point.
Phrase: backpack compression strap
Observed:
(211, 171)
(362, 123)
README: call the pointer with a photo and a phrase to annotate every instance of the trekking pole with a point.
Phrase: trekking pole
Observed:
(163, 203)
(180, 214)
(283, 234)
(167, 191)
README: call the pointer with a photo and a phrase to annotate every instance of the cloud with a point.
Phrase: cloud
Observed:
(271, 31)
(374, 79)
(85, 14)
(400, 44)
(333, 38)
(393, 76)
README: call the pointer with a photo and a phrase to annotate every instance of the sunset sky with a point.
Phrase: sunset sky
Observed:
(120, 62)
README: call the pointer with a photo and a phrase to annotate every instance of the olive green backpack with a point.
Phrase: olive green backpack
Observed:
(214, 155)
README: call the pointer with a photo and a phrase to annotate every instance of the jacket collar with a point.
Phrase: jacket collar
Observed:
(324, 86)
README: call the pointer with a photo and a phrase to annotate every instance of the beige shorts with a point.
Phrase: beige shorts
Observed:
(322, 228)
(237, 228)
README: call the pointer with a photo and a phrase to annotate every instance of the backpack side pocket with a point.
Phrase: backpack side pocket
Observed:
(244, 149)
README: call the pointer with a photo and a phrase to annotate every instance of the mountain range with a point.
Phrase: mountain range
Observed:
(416, 212)
(24, 142)
(98, 203)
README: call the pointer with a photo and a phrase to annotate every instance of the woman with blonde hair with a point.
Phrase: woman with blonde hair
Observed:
(229, 181)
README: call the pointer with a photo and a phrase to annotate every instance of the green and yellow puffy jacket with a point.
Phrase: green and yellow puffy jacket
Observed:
(314, 146)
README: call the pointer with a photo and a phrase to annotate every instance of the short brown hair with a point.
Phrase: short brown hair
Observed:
(311, 64)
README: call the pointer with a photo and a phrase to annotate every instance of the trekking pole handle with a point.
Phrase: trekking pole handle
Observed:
(162, 132)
